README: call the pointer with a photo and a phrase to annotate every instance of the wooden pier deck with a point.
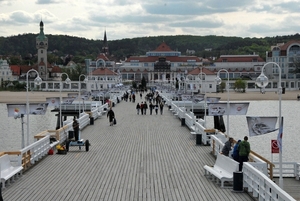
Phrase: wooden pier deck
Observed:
(149, 157)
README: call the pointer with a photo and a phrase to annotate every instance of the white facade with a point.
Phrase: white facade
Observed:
(5, 72)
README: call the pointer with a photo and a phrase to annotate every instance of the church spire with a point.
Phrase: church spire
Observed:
(105, 45)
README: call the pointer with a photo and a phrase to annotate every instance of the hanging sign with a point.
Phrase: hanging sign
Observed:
(274, 147)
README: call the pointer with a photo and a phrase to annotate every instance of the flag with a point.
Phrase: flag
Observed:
(261, 125)
(279, 136)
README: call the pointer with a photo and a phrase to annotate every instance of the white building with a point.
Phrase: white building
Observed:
(6, 73)
(287, 56)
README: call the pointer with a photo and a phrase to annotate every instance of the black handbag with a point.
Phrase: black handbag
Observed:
(115, 121)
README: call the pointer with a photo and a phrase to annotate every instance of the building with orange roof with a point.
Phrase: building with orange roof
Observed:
(161, 64)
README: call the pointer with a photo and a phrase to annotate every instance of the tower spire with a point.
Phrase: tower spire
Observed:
(105, 45)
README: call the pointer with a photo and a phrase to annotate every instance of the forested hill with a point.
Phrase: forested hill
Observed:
(80, 48)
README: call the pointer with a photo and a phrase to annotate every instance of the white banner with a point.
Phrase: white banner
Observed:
(67, 100)
(198, 98)
(213, 99)
(53, 102)
(18, 109)
(217, 109)
(185, 97)
(261, 125)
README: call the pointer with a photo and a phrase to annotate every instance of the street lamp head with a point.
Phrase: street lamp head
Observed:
(218, 80)
(262, 80)
(38, 80)
(67, 81)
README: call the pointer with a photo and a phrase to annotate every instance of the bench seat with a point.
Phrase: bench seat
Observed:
(222, 170)
(8, 172)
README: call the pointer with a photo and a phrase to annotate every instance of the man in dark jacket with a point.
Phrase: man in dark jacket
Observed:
(111, 116)
(244, 151)
(227, 147)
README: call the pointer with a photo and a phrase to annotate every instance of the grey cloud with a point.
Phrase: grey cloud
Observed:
(46, 1)
(198, 24)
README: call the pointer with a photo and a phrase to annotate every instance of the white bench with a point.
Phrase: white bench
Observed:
(222, 170)
(8, 172)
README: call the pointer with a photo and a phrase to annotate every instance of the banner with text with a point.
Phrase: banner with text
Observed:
(218, 109)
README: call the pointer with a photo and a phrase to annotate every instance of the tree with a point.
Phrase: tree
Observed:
(75, 72)
(240, 85)
(222, 86)
(144, 83)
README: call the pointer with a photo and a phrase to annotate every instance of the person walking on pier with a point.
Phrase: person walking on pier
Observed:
(227, 147)
(156, 108)
(138, 107)
(145, 107)
(244, 151)
(142, 108)
(111, 116)
(151, 106)
(161, 106)
(75, 128)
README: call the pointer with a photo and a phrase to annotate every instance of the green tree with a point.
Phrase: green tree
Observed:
(134, 85)
(240, 85)
(222, 86)
(144, 83)
(75, 72)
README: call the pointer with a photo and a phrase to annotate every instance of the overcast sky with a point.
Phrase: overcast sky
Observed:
(140, 18)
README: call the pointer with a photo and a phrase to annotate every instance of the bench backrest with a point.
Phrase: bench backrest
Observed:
(227, 164)
(4, 162)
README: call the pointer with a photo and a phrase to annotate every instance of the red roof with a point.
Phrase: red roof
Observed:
(286, 45)
(163, 47)
(16, 70)
(56, 69)
(103, 71)
(240, 58)
(198, 70)
(102, 56)
(171, 59)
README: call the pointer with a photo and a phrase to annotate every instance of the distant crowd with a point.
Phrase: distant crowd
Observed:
(153, 101)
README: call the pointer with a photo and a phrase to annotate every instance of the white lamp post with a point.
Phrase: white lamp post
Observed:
(85, 80)
(67, 81)
(200, 74)
(37, 81)
(262, 81)
(187, 80)
(219, 81)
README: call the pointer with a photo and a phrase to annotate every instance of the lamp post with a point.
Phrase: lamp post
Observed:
(219, 81)
(67, 81)
(189, 78)
(200, 74)
(37, 81)
(262, 81)
(85, 80)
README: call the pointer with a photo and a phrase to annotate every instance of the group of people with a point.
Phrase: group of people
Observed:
(241, 150)
(144, 106)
